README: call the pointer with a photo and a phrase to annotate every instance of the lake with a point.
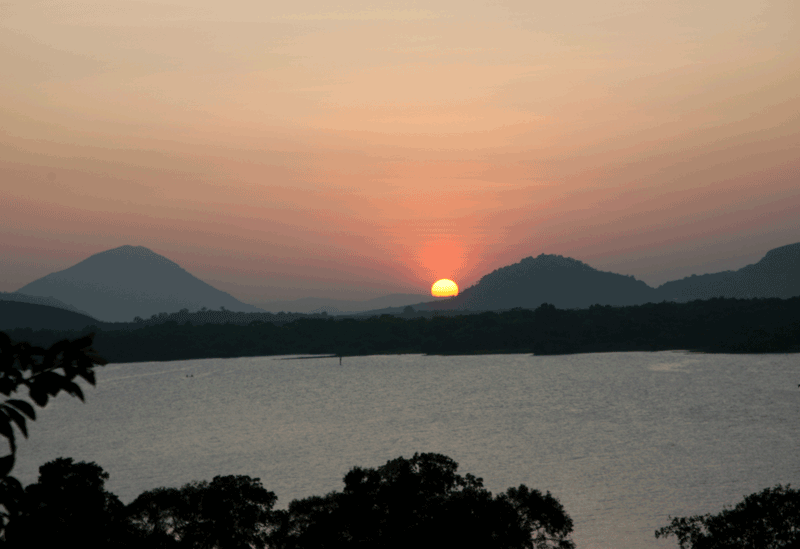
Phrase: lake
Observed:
(623, 440)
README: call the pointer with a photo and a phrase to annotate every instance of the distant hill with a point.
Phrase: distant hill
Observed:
(561, 281)
(571, 284)
(39, 300)
(120, 284)
(340, 306)
(777, 274)
(16, 314)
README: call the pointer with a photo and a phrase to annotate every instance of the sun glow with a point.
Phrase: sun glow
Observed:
(444, 288)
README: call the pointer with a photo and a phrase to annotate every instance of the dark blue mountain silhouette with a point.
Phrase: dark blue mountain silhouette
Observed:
(777, 274)
(562, 281)
(18, 314)
(571, 284)
(120, 284)
(129, 281)
(39, 300)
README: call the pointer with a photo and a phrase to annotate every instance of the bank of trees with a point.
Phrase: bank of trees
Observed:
(769, 519)
(423, 502)
(716, 325)
(420, 502)
(417, 502)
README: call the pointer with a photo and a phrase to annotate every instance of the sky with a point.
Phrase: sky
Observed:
(366, 148)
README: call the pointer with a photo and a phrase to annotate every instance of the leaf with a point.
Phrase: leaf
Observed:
(17, 418)
(84, 342)
(49, 382)
(7, 385)
(39, 396)
(74, 389)
(88, 375)
(7, 431)
(11, 486)
(6, 464)
(23, 407)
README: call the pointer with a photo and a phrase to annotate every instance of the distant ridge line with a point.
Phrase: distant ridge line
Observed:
(120, 284)
(130, 281)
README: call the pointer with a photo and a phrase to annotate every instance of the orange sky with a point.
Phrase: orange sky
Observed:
(374, 147)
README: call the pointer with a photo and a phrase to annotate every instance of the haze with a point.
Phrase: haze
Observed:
(279, 152)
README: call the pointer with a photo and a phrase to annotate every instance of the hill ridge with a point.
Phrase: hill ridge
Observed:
(570, 283)
(119, 284)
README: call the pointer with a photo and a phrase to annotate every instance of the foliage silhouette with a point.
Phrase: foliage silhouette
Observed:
(769, 519)
(422, 502)
(715, 325)
(37, 370)
(230, 512)
(67, 506)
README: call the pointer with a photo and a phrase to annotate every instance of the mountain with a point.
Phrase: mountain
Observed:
(120, 284)
(777, 274)
(562, 281)
(39, 300)
(340, 306)
(568, 283)
(17, 314)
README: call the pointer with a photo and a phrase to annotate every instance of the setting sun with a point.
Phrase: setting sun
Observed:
(444, 288)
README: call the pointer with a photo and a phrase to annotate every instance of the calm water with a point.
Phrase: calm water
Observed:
(623, 440)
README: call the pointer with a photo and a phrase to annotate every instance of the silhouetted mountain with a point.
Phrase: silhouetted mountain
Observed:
(39, 300)
(561, 281)
(776, 275)
(129, 281)
(16, 314)
(120, 284)
(568, 284)
(340, 306)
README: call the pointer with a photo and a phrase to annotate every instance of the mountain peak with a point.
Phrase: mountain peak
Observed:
(783, 253)
(128, 281)
(552, 260)
(547, 278)
(131, 253)
(543, 262)
(129, 249)
(777, 274)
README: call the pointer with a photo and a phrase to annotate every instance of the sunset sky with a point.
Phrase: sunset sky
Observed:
(355, 149)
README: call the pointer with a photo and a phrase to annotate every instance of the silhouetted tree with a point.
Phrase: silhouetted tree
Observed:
(769, 519)
(715, 325)
(44, 373)
(423, 503)
(230, 512)
(67, 507)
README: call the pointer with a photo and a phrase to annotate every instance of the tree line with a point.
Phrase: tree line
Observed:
(417, 502)
(715, 325)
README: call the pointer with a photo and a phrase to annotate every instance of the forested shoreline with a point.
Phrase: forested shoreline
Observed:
(716, 326)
